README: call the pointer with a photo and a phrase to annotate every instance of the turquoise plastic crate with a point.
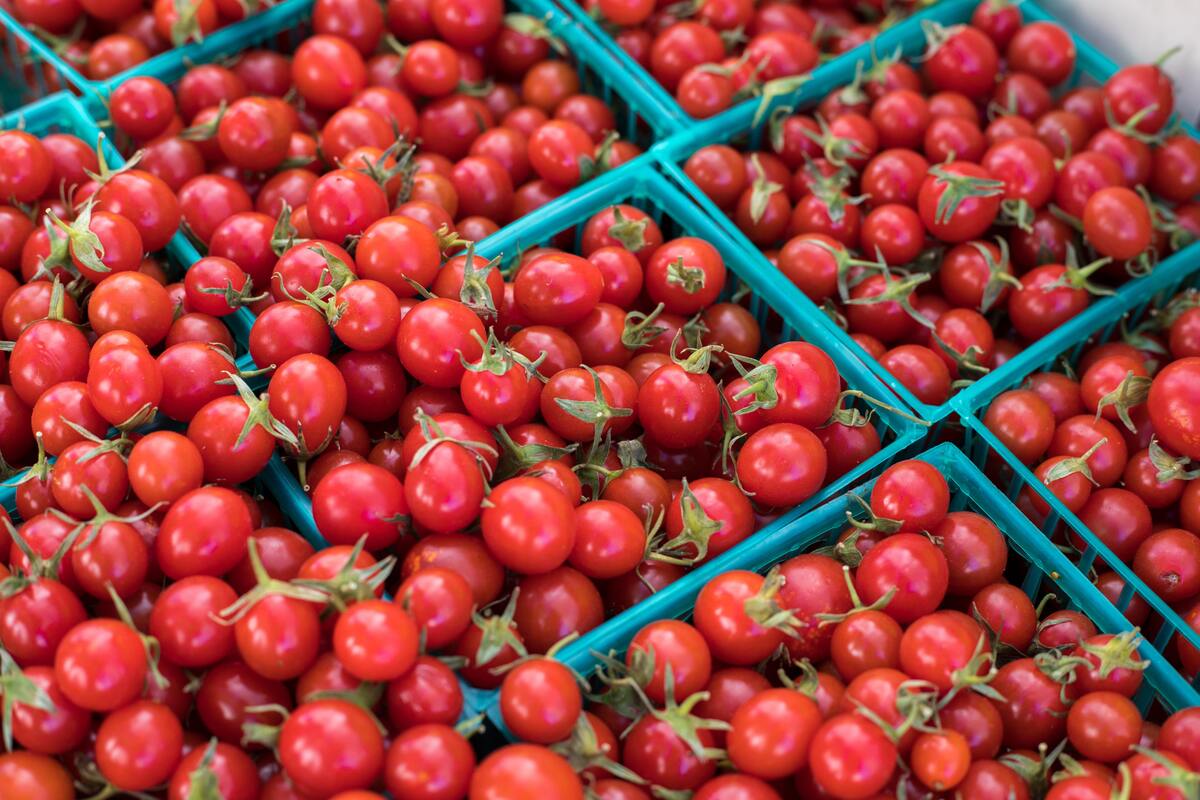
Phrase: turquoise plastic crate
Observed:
(668, 116)
(63, 113)
(643, 186)
(739, 124)
(23, 80)
(1142, 297)
(1034, 564)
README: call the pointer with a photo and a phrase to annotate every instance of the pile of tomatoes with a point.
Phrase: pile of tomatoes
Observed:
(948, 211)
(102, 38)
(900, 663)
(453, 115)
(1114, 442)
(711, 54)
(515, 454)
(499, 455)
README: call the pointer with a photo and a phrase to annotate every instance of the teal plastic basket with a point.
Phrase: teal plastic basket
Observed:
(668, 116)
(63, 113)
(739, 124)
(1034, 564)
(1143, 296)
(643, 186)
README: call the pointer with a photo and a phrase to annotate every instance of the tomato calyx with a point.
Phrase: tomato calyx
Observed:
(104, 173)
(259, 415)
(597, 411)
(337, 273)
(899, 291)
(186, 25)
(1071, 465)
(236, 298)
(1036, 772)
(434, 436)
(999, 273)
(1170, 468)
(1119, 652)
(1179, 778)
(761, 192)
(1016, 212)
(207, 130)
(630, 233)
(582, 751)
(760, 385)
(39, 567)
(917, 702)
(497, 632)
(1076, 277)
(600, 161)
(92, 780)
(202, 781)
(476, 294)
(856, 603)
(496, 357)
(883, 525)
(101, 517)
(261, 733)
(351, 584)
(690, 545)
(264, 586)
(846, 551)
(773, 89)
(149, 643)
(395, 161)
(936, 35)
(620, 686)
(763, 608)
(39, 470)
(959, 188)
(16, 688)
(682, 720)
(1129, 127)
(83, 244)
(979, 671)
(1132, 391)
(283, 235)
(516, 458)
(640, 329)
(531, 26)
(366, 696)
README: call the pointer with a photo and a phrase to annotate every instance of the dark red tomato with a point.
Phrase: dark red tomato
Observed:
(1141, 91)
(1083, 175)
(139, 746)
(964, 61)
(328, 71)
(852, 755)
(1047, 298)
(203, 533)
(1033, 710)
(516, 770)
(781, 465)
(975, 551)
(329, 746)
(912, 566)
(1170, 394)
(1117, 222)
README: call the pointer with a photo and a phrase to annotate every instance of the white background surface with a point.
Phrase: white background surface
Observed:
(1132, 31)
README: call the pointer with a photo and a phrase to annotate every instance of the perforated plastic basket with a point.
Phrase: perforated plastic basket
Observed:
(739, 124)
(1152, 292)
(1034, 564)
(62, 113)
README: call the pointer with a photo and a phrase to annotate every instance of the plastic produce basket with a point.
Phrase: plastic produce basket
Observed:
(62, 113)
(668, 115)
(747, 122)
(644, 187)
(1034, 564)
(1152, 292)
